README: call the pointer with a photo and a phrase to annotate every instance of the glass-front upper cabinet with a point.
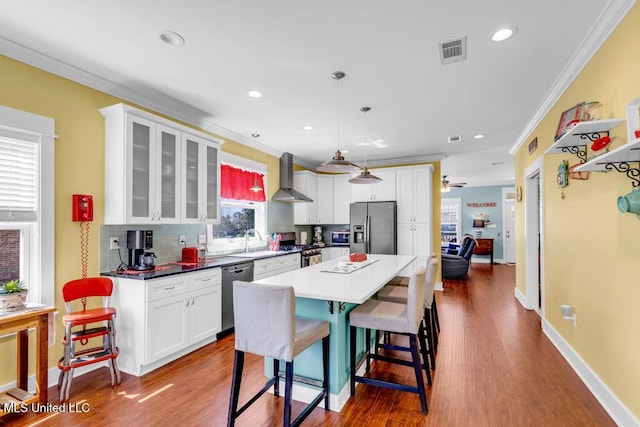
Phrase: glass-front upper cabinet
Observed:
(200, 183)
(168, 184)
(158, 171)
(152, 189)
(139, 185)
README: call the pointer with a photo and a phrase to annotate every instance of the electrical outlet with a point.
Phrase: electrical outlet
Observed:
(114, 243)
(202, 239)
(182, 240)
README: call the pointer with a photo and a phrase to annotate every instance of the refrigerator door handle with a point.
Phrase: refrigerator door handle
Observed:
(367, 228)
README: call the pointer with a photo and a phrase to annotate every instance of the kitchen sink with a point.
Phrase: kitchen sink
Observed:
(256, 254)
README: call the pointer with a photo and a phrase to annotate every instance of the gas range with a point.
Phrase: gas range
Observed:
(304, 249)
(310, 253)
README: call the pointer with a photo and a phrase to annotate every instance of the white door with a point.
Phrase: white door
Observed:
(510, 231)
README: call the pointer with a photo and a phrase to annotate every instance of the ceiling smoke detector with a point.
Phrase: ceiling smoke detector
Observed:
(453, 50)
(454, 138)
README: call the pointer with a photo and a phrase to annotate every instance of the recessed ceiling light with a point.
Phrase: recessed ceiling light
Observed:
(504, 33)
(255, 94)
(171, 37)
(478, 136)
(308, 128)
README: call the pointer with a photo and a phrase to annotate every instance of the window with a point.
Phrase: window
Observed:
(450, 220)
(26, 202)
(237, 215)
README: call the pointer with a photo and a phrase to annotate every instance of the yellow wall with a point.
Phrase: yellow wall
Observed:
(591, 250)
(79, 168)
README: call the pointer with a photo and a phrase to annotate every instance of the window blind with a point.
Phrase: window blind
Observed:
(18, 178)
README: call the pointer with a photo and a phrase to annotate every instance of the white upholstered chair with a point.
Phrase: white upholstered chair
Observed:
(265, 324)
(398, 294)
(392, 317)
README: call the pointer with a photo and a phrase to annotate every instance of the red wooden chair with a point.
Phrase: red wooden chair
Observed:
(82, 325)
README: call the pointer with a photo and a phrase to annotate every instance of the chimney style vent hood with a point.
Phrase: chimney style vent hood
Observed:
(286, 193)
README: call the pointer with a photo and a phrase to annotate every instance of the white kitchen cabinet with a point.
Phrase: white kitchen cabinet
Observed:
(413, 194)
(306, 183)
(162, 319)
(414, 229)
(142, 163)
(200, 181)
(337, 252)
(325, 199)
(267, 267)
(384, 190)
(341, 198)
(414, 239)
(144, 168)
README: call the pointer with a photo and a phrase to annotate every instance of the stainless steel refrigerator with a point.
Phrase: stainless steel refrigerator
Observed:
(373, 227)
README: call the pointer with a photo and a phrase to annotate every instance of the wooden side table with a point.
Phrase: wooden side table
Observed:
(484, 247)
(34, 316)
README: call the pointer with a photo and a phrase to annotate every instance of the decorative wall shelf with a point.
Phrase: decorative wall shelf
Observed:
(576, 140)
(618, 159)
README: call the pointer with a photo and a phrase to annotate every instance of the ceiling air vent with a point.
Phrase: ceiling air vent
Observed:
(454, 138)
(453, 50)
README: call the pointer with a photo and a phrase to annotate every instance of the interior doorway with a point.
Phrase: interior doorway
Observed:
(509, 225)
(534, 236)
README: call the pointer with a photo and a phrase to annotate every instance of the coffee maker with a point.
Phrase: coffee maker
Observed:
(138, 241)
(317, 234)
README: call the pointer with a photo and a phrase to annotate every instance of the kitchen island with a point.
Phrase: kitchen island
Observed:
(330, 296)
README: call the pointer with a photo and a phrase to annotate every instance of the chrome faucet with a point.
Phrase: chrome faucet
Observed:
(246, 237)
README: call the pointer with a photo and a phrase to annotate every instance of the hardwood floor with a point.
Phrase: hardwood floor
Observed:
(495, 367)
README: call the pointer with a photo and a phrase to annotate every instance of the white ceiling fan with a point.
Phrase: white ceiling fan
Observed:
(446, 186)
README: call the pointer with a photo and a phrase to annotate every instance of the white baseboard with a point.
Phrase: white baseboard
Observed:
(522, 299)
(609, 401)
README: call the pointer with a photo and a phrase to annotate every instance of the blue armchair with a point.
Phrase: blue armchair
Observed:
(456, 259)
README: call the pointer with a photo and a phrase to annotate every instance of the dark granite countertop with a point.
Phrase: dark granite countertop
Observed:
(177, 267)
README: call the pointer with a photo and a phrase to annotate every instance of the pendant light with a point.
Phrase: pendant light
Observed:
(338, 164)
(365, 176)
(256, 185)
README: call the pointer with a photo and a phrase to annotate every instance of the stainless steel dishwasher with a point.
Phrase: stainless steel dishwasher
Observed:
(241, 271)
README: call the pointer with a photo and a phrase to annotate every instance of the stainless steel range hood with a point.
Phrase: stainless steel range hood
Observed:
(286, 193)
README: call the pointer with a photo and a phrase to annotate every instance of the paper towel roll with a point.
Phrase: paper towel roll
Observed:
(303, 237)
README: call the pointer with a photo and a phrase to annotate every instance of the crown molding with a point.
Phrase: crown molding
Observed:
(607, 22)
(398, 161)
(155, 101)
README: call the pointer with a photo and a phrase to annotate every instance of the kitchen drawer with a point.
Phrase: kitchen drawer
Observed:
(162, 288)
(265, 265)
(205, 279)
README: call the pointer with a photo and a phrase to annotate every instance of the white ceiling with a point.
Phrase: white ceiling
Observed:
(288, 49)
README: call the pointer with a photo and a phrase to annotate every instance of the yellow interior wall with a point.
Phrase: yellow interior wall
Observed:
(79, 169)
(591, 250)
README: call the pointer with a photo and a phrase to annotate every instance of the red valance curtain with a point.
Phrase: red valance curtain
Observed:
(236, 184)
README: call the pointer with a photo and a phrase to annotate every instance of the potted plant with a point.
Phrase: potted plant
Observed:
(13, 296)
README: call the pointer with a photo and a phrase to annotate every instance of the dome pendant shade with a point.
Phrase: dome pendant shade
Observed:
(365, 177)
(338, 165)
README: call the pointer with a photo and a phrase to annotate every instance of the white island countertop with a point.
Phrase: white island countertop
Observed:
(355, 287)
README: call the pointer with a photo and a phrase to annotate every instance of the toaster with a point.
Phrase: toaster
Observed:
(190, 254)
